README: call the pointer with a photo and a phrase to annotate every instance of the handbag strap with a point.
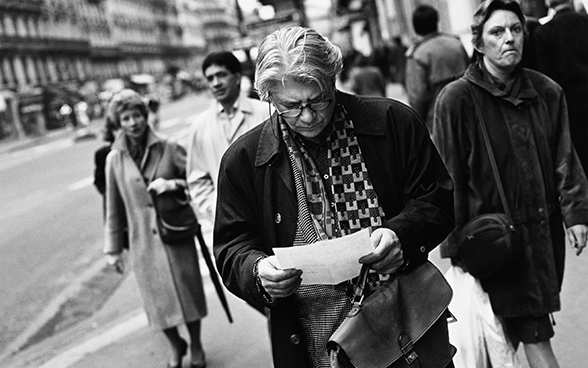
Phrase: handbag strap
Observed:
(490, 153)
(156, 166)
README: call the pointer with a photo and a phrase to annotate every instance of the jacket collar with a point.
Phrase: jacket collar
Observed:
(270, 140)
(525, 93)
(121, 144)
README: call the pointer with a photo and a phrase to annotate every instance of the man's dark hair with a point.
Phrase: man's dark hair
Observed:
(222, 58)
(425, 19)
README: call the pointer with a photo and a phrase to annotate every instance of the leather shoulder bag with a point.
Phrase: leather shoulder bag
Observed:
(489, 241)
(402, 324)
(176, 219)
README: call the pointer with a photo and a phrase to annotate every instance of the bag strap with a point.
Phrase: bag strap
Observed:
(490, 153)
(361, 285)
(156, 166)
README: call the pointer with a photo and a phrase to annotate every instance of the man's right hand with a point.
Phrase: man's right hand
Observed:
(277, 282)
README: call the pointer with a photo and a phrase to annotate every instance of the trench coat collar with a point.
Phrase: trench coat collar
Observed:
(526, 94)
(152, 140)
(271, 137)
(120, 143)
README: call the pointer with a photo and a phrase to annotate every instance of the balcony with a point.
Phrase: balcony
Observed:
(43, 45)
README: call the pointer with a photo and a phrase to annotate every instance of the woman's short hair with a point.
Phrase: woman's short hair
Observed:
(124, 100)
(485, 10)
(297, 54)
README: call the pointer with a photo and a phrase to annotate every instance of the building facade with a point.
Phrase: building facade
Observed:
(56, 52)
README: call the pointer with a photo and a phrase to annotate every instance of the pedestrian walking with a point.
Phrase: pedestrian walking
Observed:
(432, 62)
(366, 79)
(525, 116)
(168, 276)
(230, 115)
(561, 48)
(281, 185)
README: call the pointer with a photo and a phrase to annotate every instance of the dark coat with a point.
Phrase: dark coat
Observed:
(257, 207)
(561, 46)
(541, 176)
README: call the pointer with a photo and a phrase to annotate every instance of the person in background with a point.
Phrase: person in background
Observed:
(526, 118)
(109, 132)
(432, 62)
(229, 116)
(110, 129)
(140, 163)
(561, 48)
(281, 185)
(366, 79)
(398, 61)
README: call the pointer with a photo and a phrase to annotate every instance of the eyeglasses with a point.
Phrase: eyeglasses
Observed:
(315, 106)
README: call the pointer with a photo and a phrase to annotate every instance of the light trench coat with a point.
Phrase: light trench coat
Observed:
(168, 277)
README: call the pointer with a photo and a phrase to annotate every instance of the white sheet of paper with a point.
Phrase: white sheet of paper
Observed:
(327, 262)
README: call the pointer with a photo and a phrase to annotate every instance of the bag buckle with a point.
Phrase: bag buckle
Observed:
(356, 307)
(407, 347)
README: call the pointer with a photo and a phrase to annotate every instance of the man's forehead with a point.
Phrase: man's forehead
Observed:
(215, 69)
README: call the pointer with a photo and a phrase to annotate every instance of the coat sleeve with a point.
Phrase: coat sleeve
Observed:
(451, 139)
(569, 175)
(426, 210)
(116, 220)
(417, 85)
(198, 176)
(238, 244)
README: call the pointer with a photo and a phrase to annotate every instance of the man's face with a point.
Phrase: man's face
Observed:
(310, 122)
(223, 84)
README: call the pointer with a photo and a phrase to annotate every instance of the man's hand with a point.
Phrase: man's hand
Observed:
(277, 282)
(387, 256)
(578, 236)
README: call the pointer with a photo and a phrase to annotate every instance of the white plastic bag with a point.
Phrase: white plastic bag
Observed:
(477, 334)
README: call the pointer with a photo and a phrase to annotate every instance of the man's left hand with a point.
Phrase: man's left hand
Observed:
(387, 256)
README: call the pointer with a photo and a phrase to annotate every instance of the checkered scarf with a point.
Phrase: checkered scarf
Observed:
(324, 307)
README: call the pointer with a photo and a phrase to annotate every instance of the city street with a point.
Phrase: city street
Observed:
(51, 234)
(62, 308)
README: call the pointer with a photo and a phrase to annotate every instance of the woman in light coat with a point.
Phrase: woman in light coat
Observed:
(168, 276)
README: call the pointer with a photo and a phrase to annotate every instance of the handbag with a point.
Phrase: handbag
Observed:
(401, 324)
(488, 242)
(176, 219)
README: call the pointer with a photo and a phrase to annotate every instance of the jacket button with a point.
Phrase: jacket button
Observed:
(278, 218)
(154, 232)
(294, 339)
(423, 249)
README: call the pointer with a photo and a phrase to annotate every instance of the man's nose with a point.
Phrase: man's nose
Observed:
(306, 113)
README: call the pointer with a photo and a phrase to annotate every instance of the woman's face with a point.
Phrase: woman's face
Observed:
(133, 124)
(502, 41)
(292, 96)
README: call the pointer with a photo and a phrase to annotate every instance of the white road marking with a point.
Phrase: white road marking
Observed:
(81, 184)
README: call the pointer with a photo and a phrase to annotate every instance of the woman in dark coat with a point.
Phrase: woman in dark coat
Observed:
(168, 277)
(526, 118)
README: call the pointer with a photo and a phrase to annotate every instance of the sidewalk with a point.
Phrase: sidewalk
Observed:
(117, 335)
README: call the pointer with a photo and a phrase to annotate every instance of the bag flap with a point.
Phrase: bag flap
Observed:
(406, 304)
